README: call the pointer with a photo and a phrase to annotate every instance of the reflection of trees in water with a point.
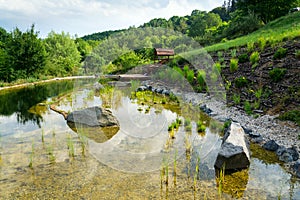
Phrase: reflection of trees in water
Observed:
(20, 101)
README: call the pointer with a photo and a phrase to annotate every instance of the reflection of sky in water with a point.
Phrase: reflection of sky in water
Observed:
(139, 144)
(271, 179)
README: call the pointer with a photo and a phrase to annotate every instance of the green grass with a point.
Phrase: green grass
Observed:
(286, 27)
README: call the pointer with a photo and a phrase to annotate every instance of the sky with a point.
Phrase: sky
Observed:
(83, 17)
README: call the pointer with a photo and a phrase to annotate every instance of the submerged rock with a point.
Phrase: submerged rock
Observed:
(93, 116)
(234, 153)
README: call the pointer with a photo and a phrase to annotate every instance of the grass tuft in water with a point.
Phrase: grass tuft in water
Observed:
(31, 156)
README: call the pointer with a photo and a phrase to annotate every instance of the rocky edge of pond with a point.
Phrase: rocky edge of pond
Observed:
(272, 134)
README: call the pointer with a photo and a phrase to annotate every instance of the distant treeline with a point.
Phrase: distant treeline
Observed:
(233, 19)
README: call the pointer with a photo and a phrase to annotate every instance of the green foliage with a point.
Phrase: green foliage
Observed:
(240, 82)
(277, 74)
(280, 53)
(242, 24)
(190, 76)
(233, 53)
(233, 65)
(258, 93)
(265, 9)
(218, 67)
(200, 127)
(63, 55)
(243, 58)
(201, 77)
(254, 59)
(25, 55)
(250, 46)
(247, 107)
(275, 31)
(292, 115)
(262, 43)
(236, 99)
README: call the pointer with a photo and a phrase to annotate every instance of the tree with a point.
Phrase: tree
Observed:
(203, 21)
(63, 55)
(222, 12)
(26, 53)
(267, 10)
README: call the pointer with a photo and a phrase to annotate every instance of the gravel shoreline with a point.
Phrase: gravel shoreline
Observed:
(284, 133)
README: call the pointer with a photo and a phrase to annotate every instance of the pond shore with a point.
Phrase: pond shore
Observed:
(284, 133)
(45, 81)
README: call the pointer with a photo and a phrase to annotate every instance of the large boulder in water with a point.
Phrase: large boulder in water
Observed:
(234, 153)
(93, 116)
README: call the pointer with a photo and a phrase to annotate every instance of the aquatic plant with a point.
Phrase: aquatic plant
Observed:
(43, 133)
(51, 155)
(70, 145)
(31, 156)
(196, 172)
(221, 180)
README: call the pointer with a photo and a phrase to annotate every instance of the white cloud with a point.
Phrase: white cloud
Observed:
(88, 16)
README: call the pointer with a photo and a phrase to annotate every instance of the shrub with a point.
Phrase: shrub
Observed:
(280, 53)
(217, 67)
(240, 82)
(250, 46)
(262, 43)
(233, 53)
(247, 108)
(277, 74)
(201, 77)
(254, 58)
(233, 64)
(292, 115)
(236, 99)
(190, 76)
(243, 58)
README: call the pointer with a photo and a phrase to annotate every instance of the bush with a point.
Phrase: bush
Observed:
(233, 64)
(240, 82)
(243, 58)
(217, 67)
(201, 77)
(236, 99)
(293, 115)
(247, 108)
(280, 53)
(190, 76)
(254, 58)
(277, 74)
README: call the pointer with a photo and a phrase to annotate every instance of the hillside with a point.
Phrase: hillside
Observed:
(281, 29)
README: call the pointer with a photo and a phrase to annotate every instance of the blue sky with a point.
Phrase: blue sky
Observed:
(84, 17)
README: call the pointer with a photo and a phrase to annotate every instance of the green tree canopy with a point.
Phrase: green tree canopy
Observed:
(63, 55)
(25, 53)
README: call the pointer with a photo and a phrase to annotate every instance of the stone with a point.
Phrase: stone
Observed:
(296, 169)
(287, 154)
(205, 109)
(271, 145)
(234, 153)
(93, 116)
(142, 88)
(98, 86)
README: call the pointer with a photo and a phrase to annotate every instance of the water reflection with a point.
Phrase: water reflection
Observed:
(24, 103)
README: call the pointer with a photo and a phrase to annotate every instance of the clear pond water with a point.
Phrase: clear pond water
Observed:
(42, 157)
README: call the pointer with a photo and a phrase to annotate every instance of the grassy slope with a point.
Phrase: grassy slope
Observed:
(284, 28)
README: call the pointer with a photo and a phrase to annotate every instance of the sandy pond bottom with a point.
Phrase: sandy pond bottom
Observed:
(54, 162)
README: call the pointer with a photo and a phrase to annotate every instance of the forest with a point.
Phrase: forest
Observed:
(26, 56)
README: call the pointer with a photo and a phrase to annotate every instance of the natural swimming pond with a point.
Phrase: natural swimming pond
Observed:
(42, 157)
